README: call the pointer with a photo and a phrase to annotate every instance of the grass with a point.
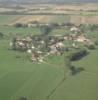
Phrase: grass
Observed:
(60, 31)
(7, 30)
(20, 77)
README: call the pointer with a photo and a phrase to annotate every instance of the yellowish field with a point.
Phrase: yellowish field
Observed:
(29, 18)
(78, 19)
(84, 19)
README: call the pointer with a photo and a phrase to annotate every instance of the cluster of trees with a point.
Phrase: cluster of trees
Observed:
(73, 57)
(45, 30)
(77, 55)
(89, 27)
(20, 25)
(38, 24)
(93, 27)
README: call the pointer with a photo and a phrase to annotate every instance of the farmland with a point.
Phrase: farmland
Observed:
(12, 19)
(20, 77)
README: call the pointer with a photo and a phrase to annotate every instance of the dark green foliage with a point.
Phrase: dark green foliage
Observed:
(37, 37)
(91, 47)
(75, 70)
(69, 66)
(73, 57)
(78, 54)
(45, 29)
(20, 25)
(23, 98)
(93, 27)
(96, 42)
(14, 43)
(89, 27)
(82, 28)
(67, 61)
(1, 35)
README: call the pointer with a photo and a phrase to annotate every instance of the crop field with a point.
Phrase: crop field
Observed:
(25, 19)
(12, 19)
(19, 77)
(4, 20)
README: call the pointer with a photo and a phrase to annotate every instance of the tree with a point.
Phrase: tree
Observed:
(45, 29)
(69, 57)
(18, 25)
(14, 43)
(77, 55)
(91, 47)
(96, 42)
(82, 28)
(23, 98)
(1, 35)
(93, 27)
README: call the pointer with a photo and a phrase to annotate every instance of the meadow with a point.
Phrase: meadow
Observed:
(20, 77)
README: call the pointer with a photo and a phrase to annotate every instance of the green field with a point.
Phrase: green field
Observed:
(6, 19)
(12, 19)
(20, 77)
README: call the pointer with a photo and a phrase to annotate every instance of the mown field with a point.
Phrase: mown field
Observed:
(20, 77)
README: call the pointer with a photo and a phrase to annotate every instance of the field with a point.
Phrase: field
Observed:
(20, 77)
(4, 20)
(25, 19)
(12, 19)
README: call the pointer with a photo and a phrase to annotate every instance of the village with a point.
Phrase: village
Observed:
(40, 46)
(48, 51)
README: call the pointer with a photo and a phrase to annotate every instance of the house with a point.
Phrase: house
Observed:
(81, 38)
(75, 29)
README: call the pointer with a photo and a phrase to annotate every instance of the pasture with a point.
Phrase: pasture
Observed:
(20, 77)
